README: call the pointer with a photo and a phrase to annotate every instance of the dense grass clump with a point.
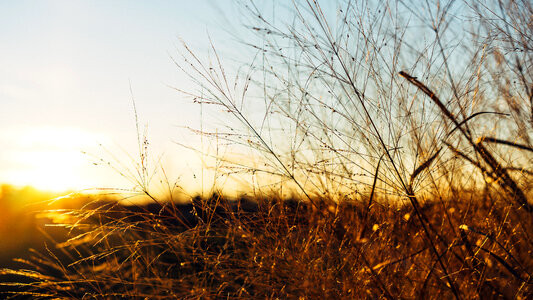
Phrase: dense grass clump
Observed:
(215, 248)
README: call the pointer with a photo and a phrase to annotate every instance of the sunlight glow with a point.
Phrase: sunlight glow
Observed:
(48, 158)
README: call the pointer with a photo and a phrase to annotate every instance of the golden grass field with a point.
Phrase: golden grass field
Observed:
(218, 248)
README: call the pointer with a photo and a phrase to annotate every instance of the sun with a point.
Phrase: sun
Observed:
(48, 170)
(49, 158)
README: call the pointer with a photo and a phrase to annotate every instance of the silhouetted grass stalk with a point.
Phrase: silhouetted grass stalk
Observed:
(506, 182)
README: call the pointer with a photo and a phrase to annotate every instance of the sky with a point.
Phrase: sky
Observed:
(69, 71)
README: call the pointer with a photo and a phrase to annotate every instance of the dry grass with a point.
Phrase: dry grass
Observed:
(279, 249)
(406, 144)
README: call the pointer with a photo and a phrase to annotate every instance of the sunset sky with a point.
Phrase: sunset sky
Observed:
(65, 74)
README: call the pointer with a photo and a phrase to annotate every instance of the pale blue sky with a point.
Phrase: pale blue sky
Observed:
(65, 68)
(65, 73)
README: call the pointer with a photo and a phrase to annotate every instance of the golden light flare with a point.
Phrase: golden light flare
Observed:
(48, 158)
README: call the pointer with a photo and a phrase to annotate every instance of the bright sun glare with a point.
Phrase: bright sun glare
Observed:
(49, 158)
